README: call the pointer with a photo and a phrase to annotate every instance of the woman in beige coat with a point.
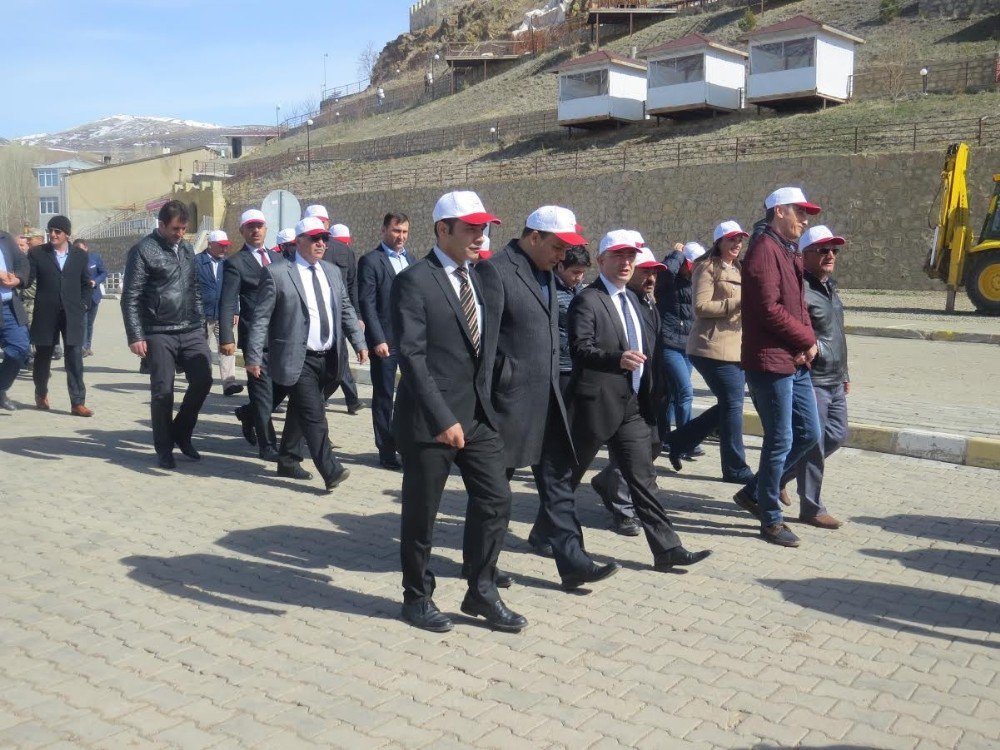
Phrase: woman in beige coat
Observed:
(714, 349)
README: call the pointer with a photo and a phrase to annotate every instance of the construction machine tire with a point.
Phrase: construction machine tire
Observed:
(982, 283)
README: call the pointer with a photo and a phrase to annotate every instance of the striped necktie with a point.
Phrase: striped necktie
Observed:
(468, 305)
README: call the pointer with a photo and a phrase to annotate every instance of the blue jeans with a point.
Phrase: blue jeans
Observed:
(88, 337)
(15, 343)
(786, 405)
(831, 405)
(727, 382)
(676, 403)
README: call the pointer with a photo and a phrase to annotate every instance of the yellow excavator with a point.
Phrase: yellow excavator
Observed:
(953, 258)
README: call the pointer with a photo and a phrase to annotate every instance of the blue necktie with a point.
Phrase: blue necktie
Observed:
(633, 340)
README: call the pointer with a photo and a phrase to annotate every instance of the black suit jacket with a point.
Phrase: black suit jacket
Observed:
(19, 265)
(341, 255)
(241, 277)
(599, 388)
(59, 289)
(375, 277)
(443, 380)
(526, 377)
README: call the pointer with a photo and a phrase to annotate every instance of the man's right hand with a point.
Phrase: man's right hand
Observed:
(254, 371)
(453, 437)
(227, 349)
(139, 348)
(381, 350)
(811, 353)
(632, 360)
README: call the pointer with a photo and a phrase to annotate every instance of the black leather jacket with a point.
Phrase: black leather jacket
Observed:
(160, 290)
(827, 314)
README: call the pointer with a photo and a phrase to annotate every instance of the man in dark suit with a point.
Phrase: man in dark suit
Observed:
(15, 274)
(339, 252)
(610, 392)
(210, 264)
(62, 297)
(446, 322)
(526, 392)
(98, 275)
(302, 311)
(241, 279)
(376, 271)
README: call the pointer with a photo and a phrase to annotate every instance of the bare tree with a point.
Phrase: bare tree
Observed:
(897, 64)
(367, 60)
(18, 187)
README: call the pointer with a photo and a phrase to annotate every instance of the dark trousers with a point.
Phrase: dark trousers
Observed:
(344, 380)
(15, 343)
(831, 407)
(261, 392)
(165, 351)
(42, 367)
(425, 469)
(632, 447)
(88, 337)
(305, 421)
(383, 373)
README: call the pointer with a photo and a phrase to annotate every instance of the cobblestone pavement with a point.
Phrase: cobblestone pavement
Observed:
(222, 606)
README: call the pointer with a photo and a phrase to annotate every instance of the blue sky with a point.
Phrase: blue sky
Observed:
(67, 62)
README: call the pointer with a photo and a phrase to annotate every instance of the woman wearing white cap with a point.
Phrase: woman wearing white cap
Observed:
(714, 349)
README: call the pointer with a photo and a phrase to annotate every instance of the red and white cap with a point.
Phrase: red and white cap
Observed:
(559, 221)
(791, 196)
(341, 232)
(819, 235)
(464, 205)
(484, 250)
(317, 211)
(646, 259)
(253, 216)
(219, 237)
(728, 229)
(618, 240)
(312, 226)
(285, 236)
(692, 251)
(639, 241)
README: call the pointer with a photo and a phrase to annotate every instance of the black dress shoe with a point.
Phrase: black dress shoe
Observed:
(542, 549)
(497, 614)
(6, 403)
(675, 460)
(353, 409)
(166, 462)
(247, 424)
(390, 462)
(625, 526)
(337, 478)
(595, 573)
(232, 390)
(268, 453)
(679, 556)
(426, 616)
(295, 471)
(185, 447)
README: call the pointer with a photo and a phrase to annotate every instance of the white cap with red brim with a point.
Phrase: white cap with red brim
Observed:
(646, 259)
(311, 226)
(253, 216)
(484, 249)
(639, 241)
(819, 235)
(341, 232)
(559, 221)
(219, 237)
(464, 205)
(316, 211)
(726, 230)
(692, 251)
(285, 236)
(791, 196)
(618, 240)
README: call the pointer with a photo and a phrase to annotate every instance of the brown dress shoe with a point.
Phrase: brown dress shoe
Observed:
(784, 498)
(81, 411)
(824, 521)
(42, 402)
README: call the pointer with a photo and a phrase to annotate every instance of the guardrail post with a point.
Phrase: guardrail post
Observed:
(737, 159)
(678, 154)
(855, 139)
(914, 136)
(624, 157)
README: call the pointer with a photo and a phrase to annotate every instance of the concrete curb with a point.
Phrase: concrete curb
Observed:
(963, 337)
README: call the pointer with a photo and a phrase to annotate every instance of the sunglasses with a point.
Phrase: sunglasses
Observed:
(56, 231)
(320, 238)
(829, 249)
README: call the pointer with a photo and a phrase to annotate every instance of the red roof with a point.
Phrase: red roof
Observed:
(687, 42)
(599, 57)
(801, 22)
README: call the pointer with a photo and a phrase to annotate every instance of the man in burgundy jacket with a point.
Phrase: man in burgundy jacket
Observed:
(778, 347)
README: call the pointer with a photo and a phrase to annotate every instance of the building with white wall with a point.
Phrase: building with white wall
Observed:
(601, 87)
(694, 74)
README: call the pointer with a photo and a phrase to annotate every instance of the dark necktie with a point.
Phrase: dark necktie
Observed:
(468, 305)
(630, 334)
(324, 316)
(265, 261)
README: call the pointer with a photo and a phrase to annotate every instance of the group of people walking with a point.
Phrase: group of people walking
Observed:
(504, 363)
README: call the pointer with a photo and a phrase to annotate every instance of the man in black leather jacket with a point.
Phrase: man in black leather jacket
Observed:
(164, 321)
(830, 377)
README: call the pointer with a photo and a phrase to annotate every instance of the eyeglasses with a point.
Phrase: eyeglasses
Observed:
(824, 250)
(320, 238)
(56, 231)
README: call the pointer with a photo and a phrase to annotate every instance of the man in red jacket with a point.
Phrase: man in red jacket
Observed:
(778, 347)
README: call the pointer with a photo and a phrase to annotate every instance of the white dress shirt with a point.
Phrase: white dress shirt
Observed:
(398, 261)
(616, 296)
(314, 342)
(450, 267)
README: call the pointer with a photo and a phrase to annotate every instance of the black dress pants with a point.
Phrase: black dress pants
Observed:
(42, 366)
(383, 373)
(344, 380)
(305, 420)
(165, 351)
(633, 449)
(261, 392)
(425, 469)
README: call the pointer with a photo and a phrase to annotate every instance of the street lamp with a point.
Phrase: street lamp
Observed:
(923, 80)
(277, 117)
(309, 163)
(325, 56)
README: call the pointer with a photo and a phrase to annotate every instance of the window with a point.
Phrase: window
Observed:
(795, 53)
(582, 85)
(688, 69)
(48, 205)
(48, 177)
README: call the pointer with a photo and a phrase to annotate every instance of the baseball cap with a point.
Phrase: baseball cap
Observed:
(285, 236)
(312, 226)
(646, 259)
(728, 229)
(618, 239)
(316, 210)
(254, 215)
(639, 241)
(559, 221)
(341, 232)
(819, 235)
(692, 251)
(484, 250)
(464, 205)
(217, 235)
(791, 196)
